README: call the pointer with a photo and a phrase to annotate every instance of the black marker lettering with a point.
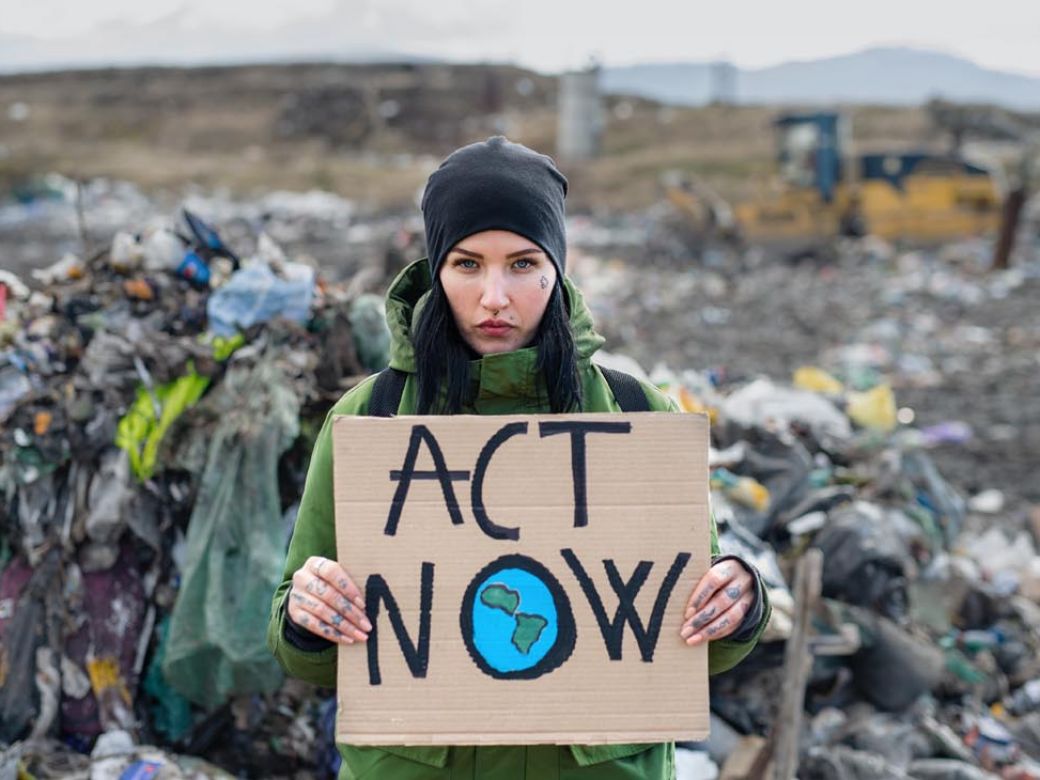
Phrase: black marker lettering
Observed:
(416, 655)
(613, 631)
(404, 477)
(578, 430)
(505, 433)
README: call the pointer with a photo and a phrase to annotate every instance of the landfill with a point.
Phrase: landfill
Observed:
(163, 377)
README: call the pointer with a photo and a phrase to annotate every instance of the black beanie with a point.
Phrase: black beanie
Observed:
(495, 185)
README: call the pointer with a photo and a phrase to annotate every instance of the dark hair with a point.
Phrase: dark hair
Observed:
(442, 357)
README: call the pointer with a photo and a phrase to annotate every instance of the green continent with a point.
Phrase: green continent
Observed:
(528, 629)
(498, 596)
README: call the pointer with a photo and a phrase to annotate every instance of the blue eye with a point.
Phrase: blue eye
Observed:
(527, 263)
(464, 262)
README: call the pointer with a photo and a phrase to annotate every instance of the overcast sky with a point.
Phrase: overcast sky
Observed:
(546, 35)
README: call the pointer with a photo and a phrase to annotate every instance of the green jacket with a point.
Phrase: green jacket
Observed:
(503, 384)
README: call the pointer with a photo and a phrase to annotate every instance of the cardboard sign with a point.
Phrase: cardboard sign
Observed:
(526, 578)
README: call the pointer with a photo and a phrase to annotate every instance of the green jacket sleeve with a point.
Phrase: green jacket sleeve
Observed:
(723, 654)
(313, 534)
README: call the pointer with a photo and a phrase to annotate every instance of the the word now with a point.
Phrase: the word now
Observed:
(417, 653)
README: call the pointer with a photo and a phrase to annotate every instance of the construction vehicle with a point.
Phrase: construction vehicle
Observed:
(826, 192)
(989, 123)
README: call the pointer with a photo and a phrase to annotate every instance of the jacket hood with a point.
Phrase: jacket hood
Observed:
(409, 291)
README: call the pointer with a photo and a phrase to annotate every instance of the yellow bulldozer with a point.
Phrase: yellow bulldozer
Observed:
(825, 193)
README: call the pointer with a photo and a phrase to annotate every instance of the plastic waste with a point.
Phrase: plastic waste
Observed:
(162, 250)
(892, 668)
(991, 742)
(371, 334)
(14, 386)
(69, 267)
(171, 712)
(952, 432)
(1025, 699)
(744, 490)
(874, 409)
(218, 626)
(142, 428)
(817, 380)
(193, 268)
(765, 404)
(988, 502)
(256, 294)
(864, 560)
(126, 253)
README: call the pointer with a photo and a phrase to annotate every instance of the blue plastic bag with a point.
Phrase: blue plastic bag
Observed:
(256, 294)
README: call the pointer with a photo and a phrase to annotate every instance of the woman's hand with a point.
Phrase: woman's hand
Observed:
(325, 601)
(718, 603)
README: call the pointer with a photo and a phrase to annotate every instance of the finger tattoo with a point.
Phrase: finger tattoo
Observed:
(733, 592)
(700, 620)
(337, 619)
(713, 630)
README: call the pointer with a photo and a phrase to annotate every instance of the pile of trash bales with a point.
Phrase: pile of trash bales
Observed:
(158, 402)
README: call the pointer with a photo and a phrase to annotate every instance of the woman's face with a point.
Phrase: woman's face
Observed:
(498, 285)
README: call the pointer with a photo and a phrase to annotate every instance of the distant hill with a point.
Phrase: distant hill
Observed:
(899, 76)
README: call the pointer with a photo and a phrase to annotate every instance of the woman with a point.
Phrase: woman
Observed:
(488, 324)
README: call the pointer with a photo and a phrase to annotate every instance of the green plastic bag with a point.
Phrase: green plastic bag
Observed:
(141, 430)
(235, 548)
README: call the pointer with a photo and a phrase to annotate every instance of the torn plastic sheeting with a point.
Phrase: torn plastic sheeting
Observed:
(256, 294)
(141, 430)
(235, 544)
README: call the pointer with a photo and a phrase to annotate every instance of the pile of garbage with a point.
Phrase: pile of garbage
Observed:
(158, 402)
(927, 635)
(957, 341)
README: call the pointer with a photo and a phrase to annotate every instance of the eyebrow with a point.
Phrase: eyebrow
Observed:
(510, 256)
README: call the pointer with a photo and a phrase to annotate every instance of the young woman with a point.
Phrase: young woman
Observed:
(487, 324)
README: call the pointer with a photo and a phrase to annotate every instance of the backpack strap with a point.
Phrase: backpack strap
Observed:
(627, 390)
(386, 393)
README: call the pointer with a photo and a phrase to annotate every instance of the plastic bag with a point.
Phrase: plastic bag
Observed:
(235, 544)
(256, 294)
(142, 428)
